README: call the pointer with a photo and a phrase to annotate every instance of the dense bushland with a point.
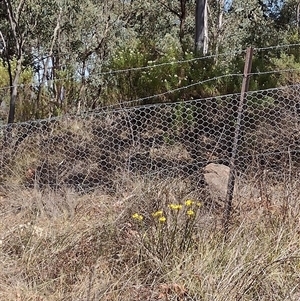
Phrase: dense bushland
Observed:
(62, 58)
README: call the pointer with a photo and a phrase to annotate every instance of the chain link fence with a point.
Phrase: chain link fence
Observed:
(102, 150)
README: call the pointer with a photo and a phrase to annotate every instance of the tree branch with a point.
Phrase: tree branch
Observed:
(173, 11)
(54, 37)
(3, 40)
(19, 10)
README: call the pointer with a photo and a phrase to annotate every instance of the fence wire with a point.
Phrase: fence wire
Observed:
(168, 140)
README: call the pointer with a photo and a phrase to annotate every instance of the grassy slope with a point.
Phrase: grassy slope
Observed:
(72, 247)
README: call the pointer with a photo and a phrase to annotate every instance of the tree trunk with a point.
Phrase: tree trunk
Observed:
(298, 16)
(219, 26)
(201, 37)
(13, 18)
(181, 26)
(14, 92)
(47, 66)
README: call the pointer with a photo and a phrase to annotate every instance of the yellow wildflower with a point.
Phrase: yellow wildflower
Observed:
(175, 206)
(189, 202)
(158, 213)
(199, 204)
(162, 219)
(137, 217)
(190, 212)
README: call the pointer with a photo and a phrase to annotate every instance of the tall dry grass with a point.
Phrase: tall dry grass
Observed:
(66, 246)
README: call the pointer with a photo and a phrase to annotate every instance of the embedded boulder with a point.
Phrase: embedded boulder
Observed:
(216, 178)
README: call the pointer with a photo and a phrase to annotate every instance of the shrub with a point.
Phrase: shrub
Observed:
(172, 229)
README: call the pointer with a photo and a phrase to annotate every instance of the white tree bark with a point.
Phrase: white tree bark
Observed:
(298, 15)
(201, 37)
(13, 18)
(219, 25)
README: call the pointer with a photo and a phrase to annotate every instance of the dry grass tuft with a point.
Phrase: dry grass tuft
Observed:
(66, 246)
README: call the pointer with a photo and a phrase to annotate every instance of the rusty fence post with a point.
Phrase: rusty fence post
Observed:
(232, 163)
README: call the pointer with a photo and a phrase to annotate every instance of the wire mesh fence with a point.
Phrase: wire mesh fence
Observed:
(145, 82)
(102, 149)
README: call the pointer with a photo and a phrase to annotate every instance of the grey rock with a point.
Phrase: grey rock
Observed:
(216, 177)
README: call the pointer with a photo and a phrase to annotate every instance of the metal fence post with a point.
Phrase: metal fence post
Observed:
(232, 172)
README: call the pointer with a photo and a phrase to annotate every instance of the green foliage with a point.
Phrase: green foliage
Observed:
(26, 75)
(168, 80)
(130, 85)
(291, 64)
(93, 38)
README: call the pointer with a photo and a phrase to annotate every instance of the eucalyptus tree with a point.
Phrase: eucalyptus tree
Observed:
(69, 43)
(88, 35)
(26, 24)
(201, 24)
(65, 42)
(14, 31)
